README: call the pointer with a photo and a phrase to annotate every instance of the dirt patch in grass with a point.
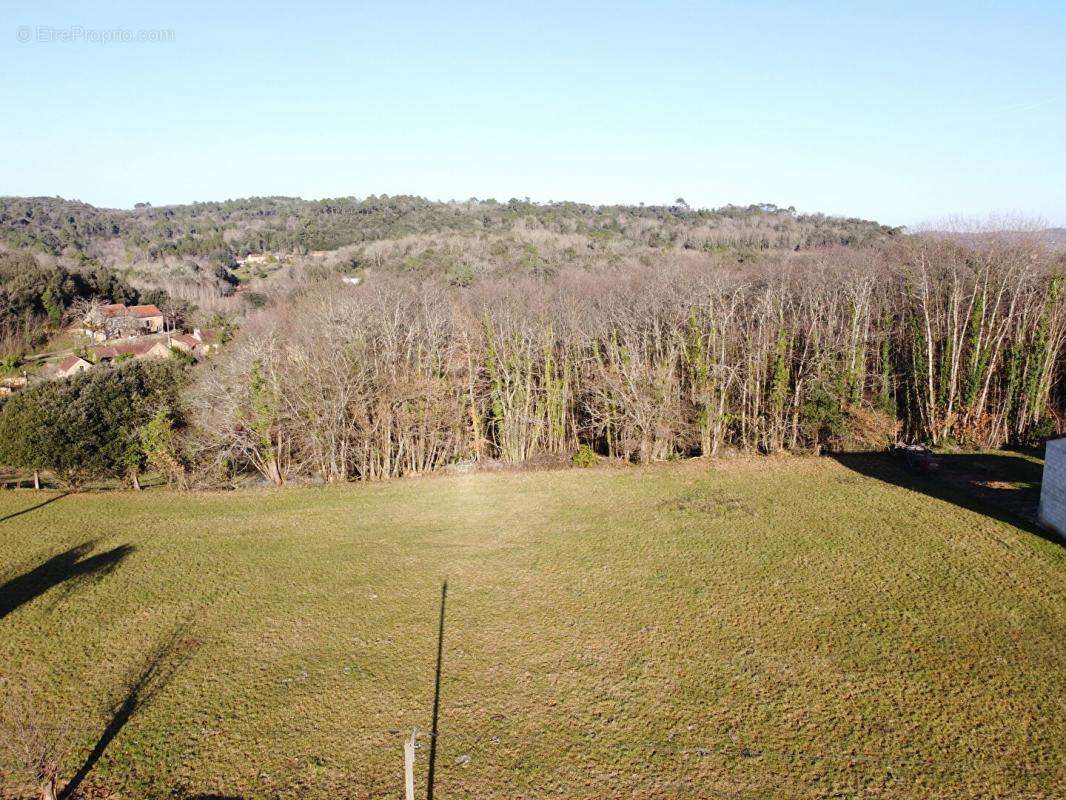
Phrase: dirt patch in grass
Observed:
(715, 505)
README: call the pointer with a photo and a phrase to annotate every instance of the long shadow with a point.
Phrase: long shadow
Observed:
(1001, 487)
(436, 696)
(70, 565)
(162, 662)
(42, 504)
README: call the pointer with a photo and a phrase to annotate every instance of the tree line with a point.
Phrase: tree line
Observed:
(920, 340)
(927, 341)
(217, 233)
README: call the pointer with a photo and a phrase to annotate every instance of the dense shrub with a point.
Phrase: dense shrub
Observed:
(821, 419)
(88, 426)
(585, 457)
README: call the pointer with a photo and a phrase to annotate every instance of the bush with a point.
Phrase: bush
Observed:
(1039, 432)
(821, 420)
(182, 357)
(826, 422)
(869, 429)
(585, 457)
(9, 363)
(461, 276)
(87, 426)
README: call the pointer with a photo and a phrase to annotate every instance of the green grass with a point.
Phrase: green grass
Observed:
(753, 629)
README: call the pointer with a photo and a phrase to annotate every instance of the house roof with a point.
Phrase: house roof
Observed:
(71, 361)
(126, 348)
(140, 312)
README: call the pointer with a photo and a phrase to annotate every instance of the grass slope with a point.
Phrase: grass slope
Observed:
(785, 628)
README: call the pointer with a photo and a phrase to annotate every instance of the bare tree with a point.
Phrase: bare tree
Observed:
(88, 312)
(643, 361)
(33, 744)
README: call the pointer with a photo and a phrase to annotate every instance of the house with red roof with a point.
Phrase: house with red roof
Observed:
(150, 348)
(185, 342)
(121, 321)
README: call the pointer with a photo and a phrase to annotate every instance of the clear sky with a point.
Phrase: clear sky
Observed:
(902, 112)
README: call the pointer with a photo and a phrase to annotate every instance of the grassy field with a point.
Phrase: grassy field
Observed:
(748, 629)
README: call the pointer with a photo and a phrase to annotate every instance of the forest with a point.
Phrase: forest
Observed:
(520, 332)
(222, 231)
(926, 341)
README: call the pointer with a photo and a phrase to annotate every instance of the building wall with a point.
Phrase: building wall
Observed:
(81, 366)
(1053, 488)
(157, 351)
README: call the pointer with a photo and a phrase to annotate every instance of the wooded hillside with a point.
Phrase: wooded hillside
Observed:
(482, 330)
(223, 231)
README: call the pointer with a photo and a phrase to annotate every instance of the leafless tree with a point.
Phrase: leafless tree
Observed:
(643, 361)
(33, 744)
(88, 312)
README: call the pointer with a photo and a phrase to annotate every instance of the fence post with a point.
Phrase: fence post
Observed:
(409, 765)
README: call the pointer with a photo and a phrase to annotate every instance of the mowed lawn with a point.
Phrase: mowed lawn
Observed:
(747, 629)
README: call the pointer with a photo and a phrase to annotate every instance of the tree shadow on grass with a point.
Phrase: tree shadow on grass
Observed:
(999, 486)
(70, 565)
(42, 504)
(160, 666)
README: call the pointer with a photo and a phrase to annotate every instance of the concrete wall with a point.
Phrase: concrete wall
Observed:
(1053, 489)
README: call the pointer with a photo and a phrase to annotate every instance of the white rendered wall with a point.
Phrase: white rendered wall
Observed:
(1053, 488)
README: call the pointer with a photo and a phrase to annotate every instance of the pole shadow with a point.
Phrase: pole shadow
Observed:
(1001, 487)
(64, 568)
(160, 666)
(436, 696)
(42, 504)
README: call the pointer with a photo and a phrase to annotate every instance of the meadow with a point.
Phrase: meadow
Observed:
(774, 627)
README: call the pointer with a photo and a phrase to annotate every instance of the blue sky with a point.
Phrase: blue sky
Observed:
(902, 112)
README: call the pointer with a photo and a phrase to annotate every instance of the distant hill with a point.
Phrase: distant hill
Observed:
(217, 233)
